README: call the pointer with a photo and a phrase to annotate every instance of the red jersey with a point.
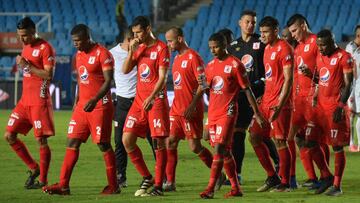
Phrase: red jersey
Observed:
(90, 67)
(275, 58)
(148, 61)
(185, 72)
(305, 55)
(225, 79)
(331, 71)
(35, 89)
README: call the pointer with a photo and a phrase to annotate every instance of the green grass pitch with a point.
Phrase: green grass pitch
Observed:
(88, 178)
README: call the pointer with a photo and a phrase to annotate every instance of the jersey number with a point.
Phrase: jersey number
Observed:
(157, 123)
(98, 130)
(334, 133)
(187, 126)
(37, 124)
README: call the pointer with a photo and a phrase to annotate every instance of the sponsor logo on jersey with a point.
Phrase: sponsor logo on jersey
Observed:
(153, 55)
(324, 75)
(83, 75)
(307, 48)
(227, 69)
(268, 72)
(184, 63)
(273, 55)
(248, 62)
(35, 53)
(144, 71)
(91, 60)
(217, 84)
(333, 61)
(256, 45)
(177, 80)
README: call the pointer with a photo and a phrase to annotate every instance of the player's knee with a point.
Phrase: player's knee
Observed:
(172, 142)
(311, 144)
(159, 143)
(128, 142)
(10, 137)
(219, 149)
(73, 143)
(338, 148)
(104, 146)
(300, 142)
(280, 143)
(42, 141)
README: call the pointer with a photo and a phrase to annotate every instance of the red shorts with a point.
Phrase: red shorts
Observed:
(302, 112)
(335, 134)
(180, 127)
(98, 123)
(23, 118)
(221, 131)
(139, 121)
(279, 129)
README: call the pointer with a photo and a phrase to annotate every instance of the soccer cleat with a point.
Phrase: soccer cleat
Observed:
(31, 179)
(353, 148)
(169, 187)
(156, 191)
(325, 183)
(270, 182)
(281, 188)
(37, 185)
(122, 183)
(220, 181)
(109, 190)
(233, 193)
(144, 186)
(334, 191)
(207, 194)
(311, 183)
(56, 189)
(293, 183)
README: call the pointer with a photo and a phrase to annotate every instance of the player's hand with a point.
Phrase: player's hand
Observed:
(338, 114)
(134, 44)
(260, 119)
(305, 70)
(90, 105)
(148, 103)
(258, 100)
(189, 112)
(275, 114)
(21, 61)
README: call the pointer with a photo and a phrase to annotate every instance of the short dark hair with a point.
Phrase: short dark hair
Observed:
(177, 30)
(143, 21)
(25, 23)
(297, 18)
(228, 34)
(128, 33)
(248, 13)
(81, 29)
(357, 27)
(269, 21)
(218, 37)
(325, 33)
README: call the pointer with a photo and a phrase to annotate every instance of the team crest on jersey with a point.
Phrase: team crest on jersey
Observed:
(35, 53)
(227, 69)
(83, 75)
(217, 84)
(144, 71)
(248, 62)
(256, 45)
(153, 55)
(184, 64)
(105, 100)
(191, 56)
(268, 72)
(91, 60)
(300, 63)
(307, 48)
(333, 61)
(324, 75)
(177, 80)
(273, 55)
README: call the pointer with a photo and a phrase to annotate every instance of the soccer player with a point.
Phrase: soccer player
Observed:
(354, 100)
(275, 105)
(125, 93)
(34, 110)
(335, 69)
(187, 110)
(286, 35)
(225, 75)
(93, 110)
(250, 50)
(150, 109)
(303, 91)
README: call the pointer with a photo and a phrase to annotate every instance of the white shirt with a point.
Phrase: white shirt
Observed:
(125, 83)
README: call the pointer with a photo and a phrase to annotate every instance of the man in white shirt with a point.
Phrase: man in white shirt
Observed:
(354, 101)
(125, 93)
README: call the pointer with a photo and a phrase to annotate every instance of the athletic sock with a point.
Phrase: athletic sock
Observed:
(263, 155)
(285, 158)
(306, 160)
(292, 149)
(160, 167)
(172, 159)
(206, 157)
(326, 150)
(319, 159)
(110, 164)
(22, 152)
(45, 158)
(215, 171)
(70, 159)
(340, 162)
(137, 159)
(230, 170)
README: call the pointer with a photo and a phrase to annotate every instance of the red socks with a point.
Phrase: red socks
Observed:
(319, 159)
(206, 157)
(284, 157)
(230, 170)
(22, 152)
(172, 159)
(215, 171)
(160, 167)
(109, 158)
(326, 151)
(137, 159)
(70, 159)
(340, 162)
(45, 157)
(292, 149)
(306, 160)
(263, 155)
